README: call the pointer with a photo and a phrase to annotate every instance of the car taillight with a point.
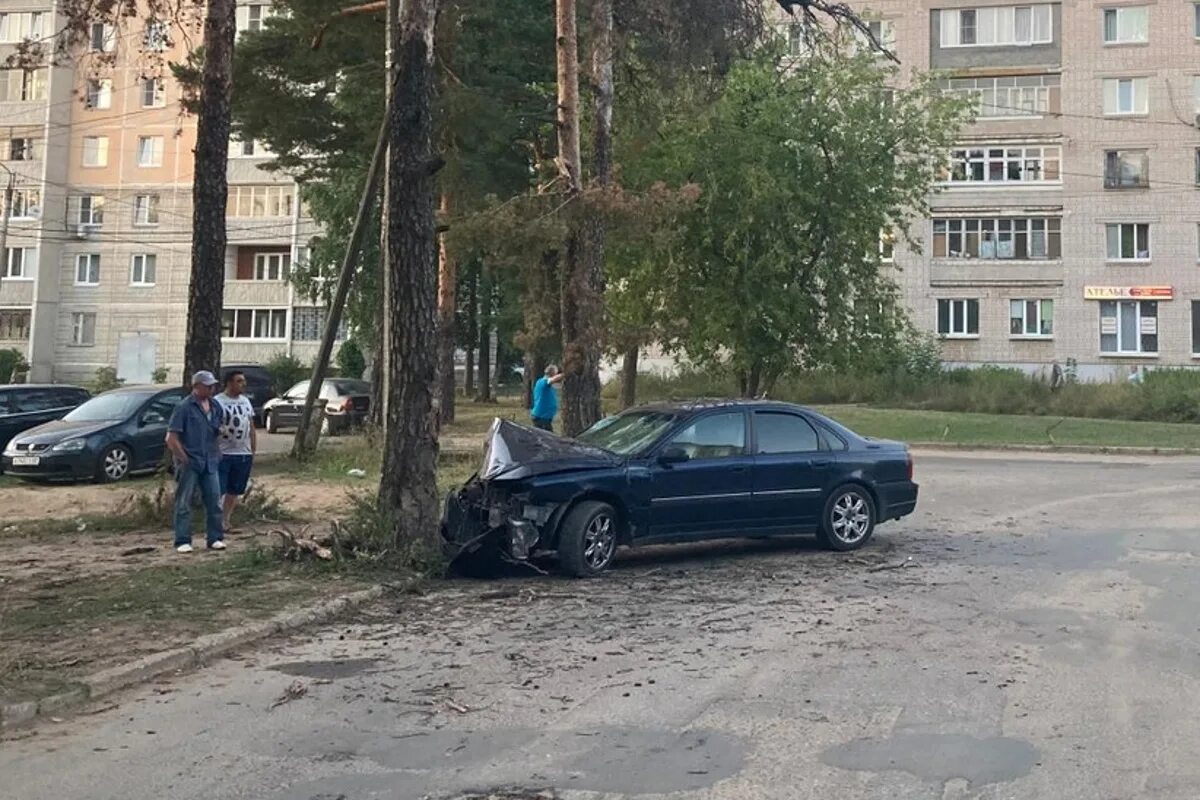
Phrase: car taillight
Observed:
(910, 466)
(348, 404)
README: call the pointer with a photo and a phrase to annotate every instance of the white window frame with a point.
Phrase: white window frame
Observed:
(100, 153)
(266, 263)
(107, 38)
(93, 205)
(152, 146)
(242, 197)
(1139, 97)
(29, 25)
(965, 161)
(146, 209)
(996, 26)
(20, 257)
(1118, 15)
(137, 269)
(25, 200)
(28, 150)
(157, 36)
(1120, 307)
(255, 315)
(960, 316)
(1041, 320)
(994, 99)
(1115, 181)
(98, 95)
(22, 85)
(87, 267)
(1115, 233)
(246, 21)
(79, 329)
(156, 90)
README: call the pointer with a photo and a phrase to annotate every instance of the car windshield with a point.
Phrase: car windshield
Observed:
(116, 406)
(628, 433)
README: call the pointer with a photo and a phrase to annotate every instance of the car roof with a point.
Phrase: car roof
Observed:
(706, 403)
(142, 388)
(40, 386)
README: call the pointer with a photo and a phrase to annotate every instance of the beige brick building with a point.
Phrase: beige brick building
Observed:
(1068, 226)
(99, 233)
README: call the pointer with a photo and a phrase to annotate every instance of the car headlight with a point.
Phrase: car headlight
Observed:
(69, 446)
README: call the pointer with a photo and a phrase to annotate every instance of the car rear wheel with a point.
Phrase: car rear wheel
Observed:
(849, 518)
(269, 422)
(588, 541)
(114, 464)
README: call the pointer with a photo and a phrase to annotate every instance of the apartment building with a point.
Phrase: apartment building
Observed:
(99, 230)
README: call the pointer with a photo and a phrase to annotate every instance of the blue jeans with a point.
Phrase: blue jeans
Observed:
(187, 479)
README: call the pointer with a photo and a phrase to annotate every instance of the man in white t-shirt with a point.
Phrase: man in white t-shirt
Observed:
(238, 442)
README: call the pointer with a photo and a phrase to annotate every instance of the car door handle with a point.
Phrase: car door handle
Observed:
(737, 469)
(820, 462)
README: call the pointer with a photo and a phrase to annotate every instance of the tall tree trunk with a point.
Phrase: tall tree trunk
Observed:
(583, 283)
(408, 482)
(447, 302)
(472, 336)
(535, 367)
(484, 384)
(629, 373)
(210, 191)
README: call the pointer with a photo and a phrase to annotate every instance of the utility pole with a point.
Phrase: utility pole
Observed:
(8, 198)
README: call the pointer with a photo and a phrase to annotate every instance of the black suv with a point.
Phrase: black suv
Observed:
(23, 406)
(259, 386)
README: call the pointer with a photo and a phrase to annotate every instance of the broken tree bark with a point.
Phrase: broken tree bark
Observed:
(408, 483)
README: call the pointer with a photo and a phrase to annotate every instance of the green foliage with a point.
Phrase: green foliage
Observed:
(160, 375)
(350, 359)
(286, 371)
(106, 379)
(11, 362)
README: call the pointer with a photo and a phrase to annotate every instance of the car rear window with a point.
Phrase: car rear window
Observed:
(352, 387)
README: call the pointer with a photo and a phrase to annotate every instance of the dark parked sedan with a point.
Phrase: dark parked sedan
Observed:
(678, 472)
(24, 406)
(347, 402)
(107, 438)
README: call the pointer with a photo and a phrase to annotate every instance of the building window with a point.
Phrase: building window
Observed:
(87, 269)
(26, 204)
(14, 324)
(958, 318)
(246, 148)
(91, 209)
(1020, 238)
(18, 265)
(83, 328)
(150, 151)
(1128, 25)
(1127, 241)
(142, 269)
(272, 266)
(1126, 96)
(261, 200)
(250, 16)
(887, 246)
(1004, 164)
(1196, 20)
(1129, 326)
(99, 94)
(1031, 317)
(95, 151)
(1195, 328)
(154, 93)
(22, 85)
(101, 38)
(158, 36)
(1126, 169)
(997, 26)
(308, 324)
(21, 26)
(24, 148)
(254, 323)
(145, 209)
(1015, 96)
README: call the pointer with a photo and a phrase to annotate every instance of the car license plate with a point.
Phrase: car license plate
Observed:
(26, 461)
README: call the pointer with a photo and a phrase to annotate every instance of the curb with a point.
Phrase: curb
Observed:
(202, 650)
(1056, 448)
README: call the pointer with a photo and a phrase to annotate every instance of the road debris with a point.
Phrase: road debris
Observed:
(294, 691)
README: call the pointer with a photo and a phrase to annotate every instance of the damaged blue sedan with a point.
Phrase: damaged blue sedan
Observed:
(677, 472)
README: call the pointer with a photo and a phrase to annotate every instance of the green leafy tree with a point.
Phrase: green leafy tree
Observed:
(778, 264)
(350, 359)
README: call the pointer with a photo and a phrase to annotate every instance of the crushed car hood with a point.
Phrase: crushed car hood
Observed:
(515, 451)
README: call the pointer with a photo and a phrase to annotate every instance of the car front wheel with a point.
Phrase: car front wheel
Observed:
(849, 518)
(115, 461)
(269, 422)
(588, 542)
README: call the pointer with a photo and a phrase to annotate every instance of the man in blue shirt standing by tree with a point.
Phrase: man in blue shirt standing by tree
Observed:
(192, 439)
(545, 401)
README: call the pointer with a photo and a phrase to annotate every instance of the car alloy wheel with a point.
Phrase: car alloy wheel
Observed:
(850, 517)
(599, 542)
(115, 464)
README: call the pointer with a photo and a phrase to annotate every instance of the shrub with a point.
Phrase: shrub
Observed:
(11, 362)
(351, 360)
(160, 375)
(286, 371)
(106, 379)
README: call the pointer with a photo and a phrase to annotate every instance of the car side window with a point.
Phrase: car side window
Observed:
(160, 409)
(778, 432)
(832, 440)
(6, 406)
(299, 391)
(66, 398)
(715, 436)
(32, 400)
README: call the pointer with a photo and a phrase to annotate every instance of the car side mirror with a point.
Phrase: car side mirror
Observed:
(673, 455)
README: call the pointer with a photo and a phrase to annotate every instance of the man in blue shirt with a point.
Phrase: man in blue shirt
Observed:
(545, 401)
(192, 439)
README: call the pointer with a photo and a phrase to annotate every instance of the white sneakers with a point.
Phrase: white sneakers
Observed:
(217, 545)
(187, 548)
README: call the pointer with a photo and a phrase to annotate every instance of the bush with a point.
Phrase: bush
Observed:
(160, 375)
(106, 379)
(351, 360)
(286, 371)
(11, 362)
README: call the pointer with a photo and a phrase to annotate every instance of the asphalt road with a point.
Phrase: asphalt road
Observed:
(1031, 633)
